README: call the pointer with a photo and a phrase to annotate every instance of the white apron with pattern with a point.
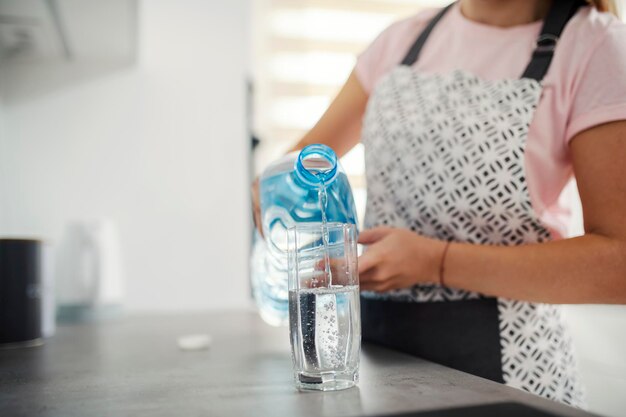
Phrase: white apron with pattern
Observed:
(445, 158)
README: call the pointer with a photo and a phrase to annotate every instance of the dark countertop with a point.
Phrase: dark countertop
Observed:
(134, 368)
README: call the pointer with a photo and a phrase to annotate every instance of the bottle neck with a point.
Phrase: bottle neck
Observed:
(316, 166)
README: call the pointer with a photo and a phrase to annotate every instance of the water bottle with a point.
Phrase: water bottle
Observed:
(305, 187)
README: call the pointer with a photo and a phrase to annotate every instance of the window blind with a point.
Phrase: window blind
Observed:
(303, 52)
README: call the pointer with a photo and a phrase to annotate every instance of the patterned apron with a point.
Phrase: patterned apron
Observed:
(445, 158)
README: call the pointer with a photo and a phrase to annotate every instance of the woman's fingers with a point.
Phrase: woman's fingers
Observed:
(373, 276)
(382, 286)
(256, 206)
(369, 287)
(366, 277)
(339, 269)
(367, 237)
(257, 221)
(370, 259)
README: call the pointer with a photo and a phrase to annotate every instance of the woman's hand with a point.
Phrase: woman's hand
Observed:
(256, 206)
(398, 258)
(339, 128)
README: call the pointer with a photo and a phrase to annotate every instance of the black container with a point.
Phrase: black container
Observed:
(20, 292)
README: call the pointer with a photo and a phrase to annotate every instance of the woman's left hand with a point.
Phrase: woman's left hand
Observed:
(398, 258)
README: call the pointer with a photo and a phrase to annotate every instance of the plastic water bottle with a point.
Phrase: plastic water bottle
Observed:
(305, 187)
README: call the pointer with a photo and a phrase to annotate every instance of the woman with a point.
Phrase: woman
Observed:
(473, 118)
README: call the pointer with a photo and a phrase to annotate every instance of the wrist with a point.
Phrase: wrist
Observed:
(460, 266)
(432, 251)
(441, 278)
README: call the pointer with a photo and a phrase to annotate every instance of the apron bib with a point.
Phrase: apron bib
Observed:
(445, 158)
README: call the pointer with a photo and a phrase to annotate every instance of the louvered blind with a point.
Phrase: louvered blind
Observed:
(303, 51)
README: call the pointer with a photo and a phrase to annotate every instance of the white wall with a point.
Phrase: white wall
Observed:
(600, 342)
(160, 147)
(599, 338)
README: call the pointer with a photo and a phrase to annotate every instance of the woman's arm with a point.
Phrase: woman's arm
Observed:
(587, 269)
(340, 126)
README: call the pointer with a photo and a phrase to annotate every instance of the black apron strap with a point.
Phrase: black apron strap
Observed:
(560, 13)
(414, 52)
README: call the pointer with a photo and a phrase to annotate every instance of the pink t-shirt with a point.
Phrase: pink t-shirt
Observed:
(584, 87)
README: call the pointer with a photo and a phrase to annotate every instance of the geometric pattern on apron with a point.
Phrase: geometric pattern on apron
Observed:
(444, 157)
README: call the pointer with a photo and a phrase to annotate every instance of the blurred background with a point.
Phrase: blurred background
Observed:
(131, 130)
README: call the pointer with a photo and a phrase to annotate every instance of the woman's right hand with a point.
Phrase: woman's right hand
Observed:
(256, 206)
(339, 128)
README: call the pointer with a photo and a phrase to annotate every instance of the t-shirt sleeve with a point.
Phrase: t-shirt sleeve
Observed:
(388, 49)
(601, 94)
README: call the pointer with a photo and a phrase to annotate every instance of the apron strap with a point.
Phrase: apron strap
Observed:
(414, 52)
(560, 13)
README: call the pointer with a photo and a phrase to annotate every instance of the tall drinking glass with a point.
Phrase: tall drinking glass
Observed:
(324, 309)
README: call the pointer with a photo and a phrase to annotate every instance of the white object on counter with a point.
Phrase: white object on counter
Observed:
(193, 342)
(90, 279)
